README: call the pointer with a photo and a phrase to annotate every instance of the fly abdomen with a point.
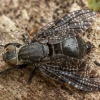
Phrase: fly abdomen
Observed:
(74, 47)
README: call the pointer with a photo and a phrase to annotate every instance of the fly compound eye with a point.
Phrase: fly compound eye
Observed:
(10, 48)
(10, 57)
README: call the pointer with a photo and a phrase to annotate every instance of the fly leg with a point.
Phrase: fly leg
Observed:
(31, 75)
(63, 86)
(27, 38)
(6, 70)
(97, 63)
(15, 67)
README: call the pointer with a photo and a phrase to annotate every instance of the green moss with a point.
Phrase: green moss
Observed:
(94, 4)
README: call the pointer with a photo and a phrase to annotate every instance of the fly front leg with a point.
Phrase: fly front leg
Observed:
(15, 67)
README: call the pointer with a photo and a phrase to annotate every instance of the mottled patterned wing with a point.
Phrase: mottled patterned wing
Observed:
(68, 26)
(72, 71)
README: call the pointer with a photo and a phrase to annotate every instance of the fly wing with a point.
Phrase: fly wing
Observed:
(72, 71)
(66, 27)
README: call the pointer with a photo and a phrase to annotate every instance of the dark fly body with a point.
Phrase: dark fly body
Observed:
(58, 51)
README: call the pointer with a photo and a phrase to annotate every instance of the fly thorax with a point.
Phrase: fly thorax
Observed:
(33, 52)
